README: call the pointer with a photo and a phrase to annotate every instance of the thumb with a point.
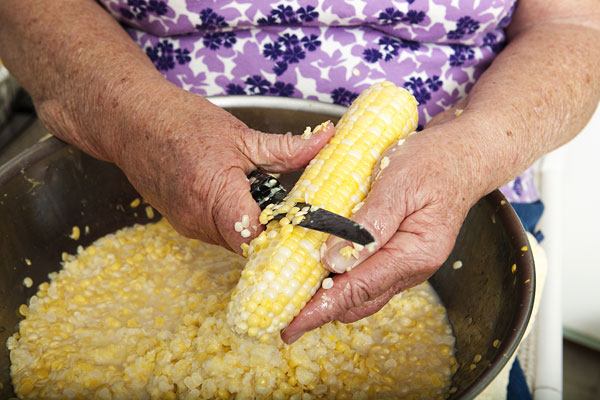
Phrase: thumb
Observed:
(280, 153)
(235, 213)
(381, 215)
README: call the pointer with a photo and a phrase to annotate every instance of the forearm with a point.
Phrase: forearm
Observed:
(81, 68)
(538, 94)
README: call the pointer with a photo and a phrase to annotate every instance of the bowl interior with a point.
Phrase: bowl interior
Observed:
(53, 187)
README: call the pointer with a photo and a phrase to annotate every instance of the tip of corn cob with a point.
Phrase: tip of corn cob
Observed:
(284, 267)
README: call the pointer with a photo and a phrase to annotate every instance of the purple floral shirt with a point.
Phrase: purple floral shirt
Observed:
(327, 50)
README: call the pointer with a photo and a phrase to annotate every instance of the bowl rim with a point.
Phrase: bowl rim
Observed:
(513, 224)
(518, 239)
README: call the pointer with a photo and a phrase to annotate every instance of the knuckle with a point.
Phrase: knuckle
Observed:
(395, 259)
(282, 150)
(356, 293)
(286, 145)
(248, 141)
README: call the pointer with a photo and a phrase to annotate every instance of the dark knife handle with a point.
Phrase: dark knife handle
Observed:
(265, 189)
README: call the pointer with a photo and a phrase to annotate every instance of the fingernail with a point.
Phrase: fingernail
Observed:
(297, 336)
(338, 262)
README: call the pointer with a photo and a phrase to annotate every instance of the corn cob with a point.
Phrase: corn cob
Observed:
(283, 270)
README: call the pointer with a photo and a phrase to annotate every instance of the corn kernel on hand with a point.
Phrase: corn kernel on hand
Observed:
(194, 171)
(420, 195)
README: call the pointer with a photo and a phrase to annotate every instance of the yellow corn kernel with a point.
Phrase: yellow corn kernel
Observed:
(135, 202)
(23, 310)
(75, 233)
(25, 386)
(149, 212)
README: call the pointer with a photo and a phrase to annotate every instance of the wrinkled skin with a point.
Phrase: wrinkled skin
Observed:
(195, 165)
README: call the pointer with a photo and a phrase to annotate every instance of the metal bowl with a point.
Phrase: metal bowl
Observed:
(52, 186)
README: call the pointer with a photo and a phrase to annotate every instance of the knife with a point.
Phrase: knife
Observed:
(266, 189)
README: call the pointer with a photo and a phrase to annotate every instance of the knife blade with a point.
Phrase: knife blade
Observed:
(266, 189)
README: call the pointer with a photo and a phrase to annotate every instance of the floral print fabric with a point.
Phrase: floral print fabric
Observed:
(327, 50)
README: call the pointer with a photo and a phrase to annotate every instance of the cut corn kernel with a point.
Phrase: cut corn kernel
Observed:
(23, 310)
(307, 133)
(75, 232)
(457, 264)
(238, 227)
(371, 247)
(149, 212)
(135, 202)
(327, 283)
(245, 247)
(104, 328)
(346, 252)
(385, 161)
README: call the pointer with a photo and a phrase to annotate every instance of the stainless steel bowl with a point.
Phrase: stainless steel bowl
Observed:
(51, 187)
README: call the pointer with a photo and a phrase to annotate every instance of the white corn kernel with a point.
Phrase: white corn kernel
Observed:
(457, 264)
(245, 221)
(327, 283)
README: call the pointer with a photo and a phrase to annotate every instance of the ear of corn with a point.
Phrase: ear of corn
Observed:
(284, 270)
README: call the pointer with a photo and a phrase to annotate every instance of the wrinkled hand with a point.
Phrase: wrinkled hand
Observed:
(415, 210)
(191, 160)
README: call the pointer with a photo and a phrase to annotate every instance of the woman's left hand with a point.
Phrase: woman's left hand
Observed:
(415, 209)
